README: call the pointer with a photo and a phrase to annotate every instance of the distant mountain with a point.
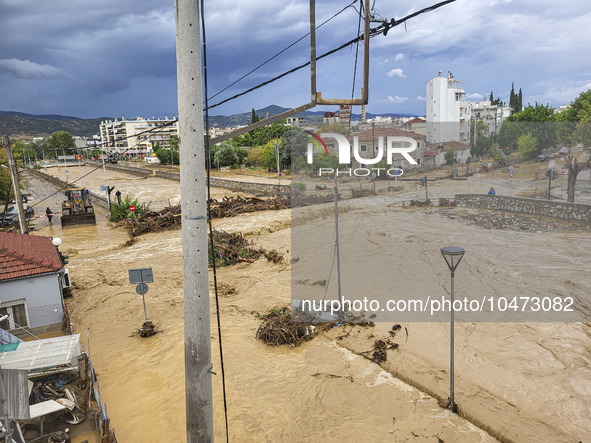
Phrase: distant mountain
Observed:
(46, 117)
(26, 126)
(314, 117)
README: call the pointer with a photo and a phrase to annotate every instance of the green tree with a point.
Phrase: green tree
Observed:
(526, 145)
(539, 120)
(60, 140)
(254, 117)
(261, 136)
(225, 155)
(165, 154)
(270, 158)
(482, 144)
(5, 180)
(450, 156)
(294, 145)
(256, 157)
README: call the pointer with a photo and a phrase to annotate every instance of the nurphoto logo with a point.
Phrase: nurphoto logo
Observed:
(393, 145)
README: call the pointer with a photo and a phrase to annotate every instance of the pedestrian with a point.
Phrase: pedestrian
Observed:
(118, 195)
(49, 214)
(491, 191)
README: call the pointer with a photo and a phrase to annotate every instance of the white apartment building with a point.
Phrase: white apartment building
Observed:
(137, 137)
(448, 112)
(491, 115)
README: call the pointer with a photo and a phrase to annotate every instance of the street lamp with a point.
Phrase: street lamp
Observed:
(453, 256)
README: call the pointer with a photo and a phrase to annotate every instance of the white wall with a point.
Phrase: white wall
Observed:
(43, 298)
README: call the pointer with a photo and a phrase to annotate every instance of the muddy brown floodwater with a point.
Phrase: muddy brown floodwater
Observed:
(524, 382)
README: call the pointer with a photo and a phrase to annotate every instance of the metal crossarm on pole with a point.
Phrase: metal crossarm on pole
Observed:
(453, 256)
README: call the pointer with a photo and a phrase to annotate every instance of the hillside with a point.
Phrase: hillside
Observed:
(27, 126)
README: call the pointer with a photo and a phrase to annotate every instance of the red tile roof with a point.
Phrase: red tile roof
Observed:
(26, 255)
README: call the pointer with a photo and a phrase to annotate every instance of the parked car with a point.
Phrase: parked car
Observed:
(12, 215)
(542, 158)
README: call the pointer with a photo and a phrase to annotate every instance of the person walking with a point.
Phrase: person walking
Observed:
(49, 214)
(118, 195)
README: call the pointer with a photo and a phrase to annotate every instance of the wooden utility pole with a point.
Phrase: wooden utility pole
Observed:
(198, 366)
(22, 218)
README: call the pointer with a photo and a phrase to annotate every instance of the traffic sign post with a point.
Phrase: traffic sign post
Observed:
(536, 183)
(141, 276)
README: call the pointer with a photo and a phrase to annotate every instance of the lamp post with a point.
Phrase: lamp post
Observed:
(453, 256)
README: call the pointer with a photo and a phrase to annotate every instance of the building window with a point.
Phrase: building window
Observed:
(363, 148)
(17, 314)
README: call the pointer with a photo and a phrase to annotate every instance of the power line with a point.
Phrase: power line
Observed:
(282, 51)
(211, 240)
(381, 29)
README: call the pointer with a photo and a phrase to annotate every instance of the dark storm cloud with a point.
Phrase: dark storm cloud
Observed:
(93, 58)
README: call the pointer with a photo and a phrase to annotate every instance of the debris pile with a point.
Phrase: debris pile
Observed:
(278, 329)
(512, 221)
(380, 348)
(148, 329)
(170, 217)
(420, 203)
(230, 249)
(231, 206)
(447, 202)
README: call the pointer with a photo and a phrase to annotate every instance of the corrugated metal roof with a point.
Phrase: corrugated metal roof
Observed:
(26, 255)
(49, 355)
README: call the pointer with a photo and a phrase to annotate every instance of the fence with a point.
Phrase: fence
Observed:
(104, 431)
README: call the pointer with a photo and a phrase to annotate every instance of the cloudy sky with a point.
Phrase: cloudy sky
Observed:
(111, 57)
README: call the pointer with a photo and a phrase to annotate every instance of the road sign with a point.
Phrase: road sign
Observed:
(510, 169)
(141, 289)
(563, 170)
(132, 208)
(141, 275)
(103, 188)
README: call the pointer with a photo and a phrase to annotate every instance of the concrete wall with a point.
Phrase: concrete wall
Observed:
(547, 208)
(253, 188)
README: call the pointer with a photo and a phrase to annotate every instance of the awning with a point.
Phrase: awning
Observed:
(44, 357)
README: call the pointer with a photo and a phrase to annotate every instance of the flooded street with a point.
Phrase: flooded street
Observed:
(521, 381)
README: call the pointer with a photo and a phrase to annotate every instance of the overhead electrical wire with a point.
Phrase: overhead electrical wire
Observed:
(282, 51)
(212, 248)
(381, 29)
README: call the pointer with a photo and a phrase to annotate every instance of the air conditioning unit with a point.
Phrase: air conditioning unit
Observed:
(66, 279)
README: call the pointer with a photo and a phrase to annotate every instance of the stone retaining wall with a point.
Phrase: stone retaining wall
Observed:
(253, 188)
(547, 208)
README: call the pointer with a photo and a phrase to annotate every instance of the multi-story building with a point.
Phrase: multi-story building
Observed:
(137, 137)
(491, 115)
(448, 111)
